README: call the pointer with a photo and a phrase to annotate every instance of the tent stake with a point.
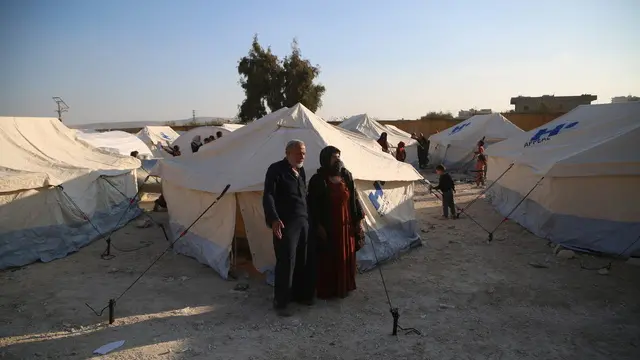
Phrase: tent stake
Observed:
(396, 317)
(112, 308)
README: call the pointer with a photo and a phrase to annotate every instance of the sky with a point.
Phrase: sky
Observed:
(147, 60)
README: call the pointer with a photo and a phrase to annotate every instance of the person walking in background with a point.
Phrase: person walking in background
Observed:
(480, 169)
(480, 148)
(448, 187)
(401, 153)
(285, 209)
(480, 151)
(423, 151)
(382, 140)
(335, 225)
(196, 144)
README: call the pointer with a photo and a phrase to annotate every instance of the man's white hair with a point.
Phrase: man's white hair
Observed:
(293, 144)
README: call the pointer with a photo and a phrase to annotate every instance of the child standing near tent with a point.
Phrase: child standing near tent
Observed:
(480, 166)
(448, 187)
(401, 153)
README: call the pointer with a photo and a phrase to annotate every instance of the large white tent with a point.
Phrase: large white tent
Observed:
(590, 160)
(152, 135)
(119, 142)
(49, 181)
(184, 140)
(241, 159)
(454, 146)
(372, 129)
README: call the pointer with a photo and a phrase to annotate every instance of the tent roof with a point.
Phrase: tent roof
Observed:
(493, 127)
(40, 152)
(589, 140)
(152, 134)
(397, 130)
(242, 157)
(117, 141)
(363, 124)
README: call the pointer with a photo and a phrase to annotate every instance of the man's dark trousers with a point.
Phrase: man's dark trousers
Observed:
(293, 276)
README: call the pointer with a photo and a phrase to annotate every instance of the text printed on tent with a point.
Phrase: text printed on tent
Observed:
(538, 137)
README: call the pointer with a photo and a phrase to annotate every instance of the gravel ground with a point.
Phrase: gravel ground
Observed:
(510, 299)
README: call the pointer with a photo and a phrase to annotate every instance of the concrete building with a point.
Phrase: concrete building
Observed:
(465, 114)
(550, 103)
(624, 99)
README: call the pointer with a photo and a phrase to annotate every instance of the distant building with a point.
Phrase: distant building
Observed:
(550, 103)
(465, 114)
(624, 99)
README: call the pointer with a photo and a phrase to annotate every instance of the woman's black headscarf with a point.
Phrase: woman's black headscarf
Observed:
(325, 161)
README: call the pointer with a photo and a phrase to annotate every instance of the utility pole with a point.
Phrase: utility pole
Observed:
(62, 106)
(194, 115)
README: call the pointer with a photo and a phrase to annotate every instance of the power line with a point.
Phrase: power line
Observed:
(62, 107)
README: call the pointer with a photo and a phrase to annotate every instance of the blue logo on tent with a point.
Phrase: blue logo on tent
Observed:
(459, 128)
(377, 198)
(165, 136)
(546, 134)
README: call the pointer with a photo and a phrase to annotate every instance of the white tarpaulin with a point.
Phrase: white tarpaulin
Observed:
(454, 146)
(241, 159)
(49, 182)
(117, 141)
(590, 161)
(398, 131)
(184, 140)
(152, 135)
(372, 129)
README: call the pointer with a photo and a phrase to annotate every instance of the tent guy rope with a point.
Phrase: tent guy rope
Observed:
(106, 255)
(484, 191)
(112, 302)
(514, 209)
(395, 312)
(490, 233)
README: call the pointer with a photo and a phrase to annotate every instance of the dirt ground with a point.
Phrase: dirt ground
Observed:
(509, 299)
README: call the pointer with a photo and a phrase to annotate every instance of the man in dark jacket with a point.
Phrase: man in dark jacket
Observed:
(285, 210)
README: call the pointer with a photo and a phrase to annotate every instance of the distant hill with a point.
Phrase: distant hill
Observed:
(200, 120)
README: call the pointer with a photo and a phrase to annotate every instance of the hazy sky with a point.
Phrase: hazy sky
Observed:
(157, 59)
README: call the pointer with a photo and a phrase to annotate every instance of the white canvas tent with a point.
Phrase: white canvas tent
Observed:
(590, 160)
(372, 129)
(152, 135)
(48, 182)
(119, 142)
(454, 146)
(241, 159)
(184, 140)
(399, 131)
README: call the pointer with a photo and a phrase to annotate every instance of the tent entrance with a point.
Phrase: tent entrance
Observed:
(241, 259)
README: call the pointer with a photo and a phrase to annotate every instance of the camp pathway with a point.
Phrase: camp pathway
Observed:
(468, 298)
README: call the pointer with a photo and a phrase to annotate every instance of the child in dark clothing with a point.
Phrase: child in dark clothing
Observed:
(448, 187)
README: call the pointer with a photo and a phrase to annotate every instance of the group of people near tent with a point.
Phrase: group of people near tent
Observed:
(401, 151)
(197, 141)
(316, 229)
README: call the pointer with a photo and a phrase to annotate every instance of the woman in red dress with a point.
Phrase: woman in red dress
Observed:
(335, 225)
